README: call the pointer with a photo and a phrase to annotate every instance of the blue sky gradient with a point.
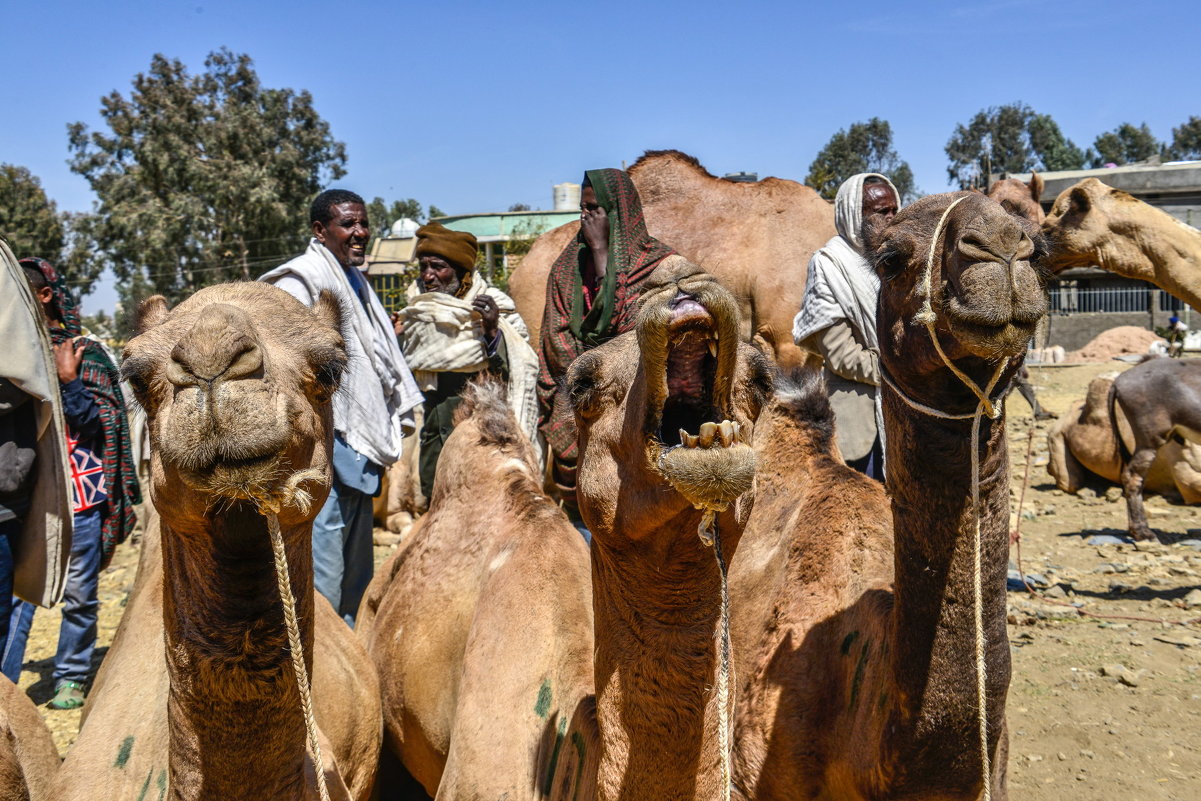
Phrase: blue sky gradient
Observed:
(474, 106)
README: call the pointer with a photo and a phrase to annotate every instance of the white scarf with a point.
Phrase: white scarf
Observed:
(443, 333)
(374, 405)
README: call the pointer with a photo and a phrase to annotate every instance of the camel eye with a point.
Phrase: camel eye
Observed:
(891, 267)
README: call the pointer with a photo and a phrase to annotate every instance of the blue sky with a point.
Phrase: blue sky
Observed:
(475, 106)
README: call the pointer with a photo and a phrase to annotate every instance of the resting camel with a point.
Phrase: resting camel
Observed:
(28, 757)
(756, 238)
(1084, 442)
(853, 622)
(1095, 224)
(1161, 399)
(197, 696)
(1019, 198)
(509, 669)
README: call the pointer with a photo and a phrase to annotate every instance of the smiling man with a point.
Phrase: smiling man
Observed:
(373, 407)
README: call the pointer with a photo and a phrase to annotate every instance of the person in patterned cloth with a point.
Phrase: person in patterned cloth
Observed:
(103, 476)
(591, 296)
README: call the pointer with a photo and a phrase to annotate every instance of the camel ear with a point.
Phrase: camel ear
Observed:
(329, 310)
(1036, 187)
(1080, 200)
(153, 311)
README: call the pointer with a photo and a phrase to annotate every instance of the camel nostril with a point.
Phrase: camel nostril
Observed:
(221, 345)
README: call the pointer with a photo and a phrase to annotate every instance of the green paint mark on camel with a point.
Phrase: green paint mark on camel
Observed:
(542, 705)
(146, 786)
(162, 784)
(123, 752)
(554, 756)
(867, 646)
(848, 641)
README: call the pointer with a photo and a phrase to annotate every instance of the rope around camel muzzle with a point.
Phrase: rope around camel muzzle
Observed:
(711, 536)
(270, 507)
(993, 408)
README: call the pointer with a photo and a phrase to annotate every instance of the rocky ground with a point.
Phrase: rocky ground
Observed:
(1105, 701)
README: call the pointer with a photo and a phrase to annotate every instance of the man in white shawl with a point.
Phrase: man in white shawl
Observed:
(838, 318)
(373, 407)
(455, 326)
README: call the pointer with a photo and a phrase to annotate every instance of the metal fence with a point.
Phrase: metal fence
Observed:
(1067, 299)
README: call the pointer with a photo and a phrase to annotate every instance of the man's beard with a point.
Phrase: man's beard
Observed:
(451, 287)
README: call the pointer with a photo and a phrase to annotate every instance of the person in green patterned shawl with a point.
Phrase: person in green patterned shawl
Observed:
(591, 296)
(103, 476)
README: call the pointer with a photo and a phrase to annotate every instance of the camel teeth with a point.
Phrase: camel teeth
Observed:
(708, 433)
(713, 348)
(726, 430)
(693, 440)
(683, 437)
(738, 432)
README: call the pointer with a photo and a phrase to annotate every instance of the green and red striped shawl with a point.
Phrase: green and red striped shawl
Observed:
(103, 380)
(568, 328)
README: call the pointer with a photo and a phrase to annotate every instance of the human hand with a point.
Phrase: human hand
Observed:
(594, 223)
(398, 325)
(67, 358)
(489, 313)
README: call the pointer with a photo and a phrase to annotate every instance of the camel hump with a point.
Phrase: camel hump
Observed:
(485, 403)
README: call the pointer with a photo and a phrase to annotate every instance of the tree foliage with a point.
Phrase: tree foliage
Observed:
(863, 147)
(29, 220)
(202, 178)
(1186, 140)
(1125, 144)
(1010, 138)
(382, 216)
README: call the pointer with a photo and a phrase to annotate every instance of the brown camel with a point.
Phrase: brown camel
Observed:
(1082, 444)
(756, 238)
(1095, 224)
(28, 758)
(197, 698)
(854, 627)
(1019, 198)
(490, 690)
(1161, 399)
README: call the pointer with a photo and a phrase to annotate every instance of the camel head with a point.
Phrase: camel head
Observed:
(236, 384)
(664, 412)
(1092, 223)
(1019, 198)
(985, 295)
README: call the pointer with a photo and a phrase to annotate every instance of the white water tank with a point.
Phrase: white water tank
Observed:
(567, 197)
(404, 228)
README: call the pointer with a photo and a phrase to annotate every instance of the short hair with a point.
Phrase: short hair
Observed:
(873, 179)
(322, 209)
(36, 278)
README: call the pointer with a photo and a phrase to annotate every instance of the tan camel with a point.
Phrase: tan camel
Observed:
(756, 238)
(489, 643)
(28, 757)
(854, 627)
(1095, 224)
(1019, 198)
(197, 697)
(1082, 444)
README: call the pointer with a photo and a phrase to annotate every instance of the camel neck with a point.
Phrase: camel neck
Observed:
(657, 608)
(933, 653)
(233, 700)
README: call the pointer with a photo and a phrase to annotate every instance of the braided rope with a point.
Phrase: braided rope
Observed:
(710, 535)
(270, 508)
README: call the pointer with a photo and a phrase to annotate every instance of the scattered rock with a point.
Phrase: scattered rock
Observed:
(1113, 494)
(1120, 587)
(384, 538)
(1108, 539)
(1086, 494)
(1123, 674)
(1049, 509)
(1056, 591)
(1182, 641)
(1193, 599)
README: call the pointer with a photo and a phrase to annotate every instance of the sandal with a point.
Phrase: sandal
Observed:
(68, 695)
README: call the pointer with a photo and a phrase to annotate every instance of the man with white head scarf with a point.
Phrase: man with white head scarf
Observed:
(838, 318)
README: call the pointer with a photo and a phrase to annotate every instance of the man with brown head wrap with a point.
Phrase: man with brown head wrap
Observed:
(455, 326)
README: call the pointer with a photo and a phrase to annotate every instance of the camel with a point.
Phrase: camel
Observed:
(1094, 224)
(1161, 399)
(755, 238)
(605, 688)
(1021, 199)
(853, 622)
(197, 697)
(28, 757)
(1082, 443)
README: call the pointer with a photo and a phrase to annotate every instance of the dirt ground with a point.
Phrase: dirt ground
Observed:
(1098, 709)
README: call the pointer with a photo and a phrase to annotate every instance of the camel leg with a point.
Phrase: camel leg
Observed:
(1134, 474)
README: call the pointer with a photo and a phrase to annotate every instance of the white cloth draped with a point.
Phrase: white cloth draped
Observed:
(373, 407)
(443, 333)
